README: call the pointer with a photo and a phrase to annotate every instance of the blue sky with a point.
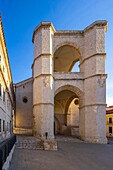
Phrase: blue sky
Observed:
(20, 17)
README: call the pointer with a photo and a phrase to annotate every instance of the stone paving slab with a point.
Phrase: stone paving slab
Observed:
(27, 142)
(68, 138)
(71, 155)
(31, 142)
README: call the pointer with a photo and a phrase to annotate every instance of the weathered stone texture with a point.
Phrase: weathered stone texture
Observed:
(100, 40)
(88, 85)
(89, 42)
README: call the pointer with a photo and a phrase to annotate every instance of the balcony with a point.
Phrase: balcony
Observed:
(72, 79)
(68, 76)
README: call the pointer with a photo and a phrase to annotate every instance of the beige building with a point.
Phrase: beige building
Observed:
(109, 121)
(57, 100)
(6, 90)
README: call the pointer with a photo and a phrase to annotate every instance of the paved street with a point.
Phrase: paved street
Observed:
(71, 155)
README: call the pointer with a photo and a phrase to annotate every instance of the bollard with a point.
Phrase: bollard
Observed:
(46, 134)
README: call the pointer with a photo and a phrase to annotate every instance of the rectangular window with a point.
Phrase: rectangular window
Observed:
(110, 129)
(0, 125)
(3, 125)
(0, 90)
(110, 120)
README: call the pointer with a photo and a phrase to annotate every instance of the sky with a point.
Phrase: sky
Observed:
(20, 17)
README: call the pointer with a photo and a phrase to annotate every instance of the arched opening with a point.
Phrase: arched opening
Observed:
(66, 111)
(66, 58)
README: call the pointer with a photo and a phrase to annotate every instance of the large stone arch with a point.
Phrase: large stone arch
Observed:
(73, 44)
(74, 89)
(71, 88)
(76, 93)
(75, 41)
(66, 55)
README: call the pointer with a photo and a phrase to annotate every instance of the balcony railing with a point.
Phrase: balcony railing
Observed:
(68, 75)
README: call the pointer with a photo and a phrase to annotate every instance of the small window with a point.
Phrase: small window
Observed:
(76, 101)
(0, 57)
(25, 100)
(3, 125)
(110, 129)
(0, 125)
(110, 120)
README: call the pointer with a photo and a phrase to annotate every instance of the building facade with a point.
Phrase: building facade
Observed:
(6, 90)
(109, 121)
(44, 103)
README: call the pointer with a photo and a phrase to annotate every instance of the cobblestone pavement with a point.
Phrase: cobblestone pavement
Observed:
(27, 142)
(71, 155)
(31, 142)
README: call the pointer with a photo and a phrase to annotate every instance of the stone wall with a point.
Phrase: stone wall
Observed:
(69, 79)
(24, 104)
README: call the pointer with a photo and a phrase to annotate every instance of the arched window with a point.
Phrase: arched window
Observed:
(25, 99)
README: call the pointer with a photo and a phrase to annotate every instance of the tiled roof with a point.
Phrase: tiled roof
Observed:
(109, 110)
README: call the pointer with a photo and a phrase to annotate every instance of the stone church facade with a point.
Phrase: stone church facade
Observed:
(57, 100)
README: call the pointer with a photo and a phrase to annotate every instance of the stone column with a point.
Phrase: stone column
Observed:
(93, 110)
(43, 85)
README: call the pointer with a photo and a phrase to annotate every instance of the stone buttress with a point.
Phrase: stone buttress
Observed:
(43, 84)
(93, 111)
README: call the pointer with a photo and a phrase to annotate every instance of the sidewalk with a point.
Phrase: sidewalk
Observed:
(71, 155)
